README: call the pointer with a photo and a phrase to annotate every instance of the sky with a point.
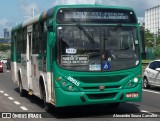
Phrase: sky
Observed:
(13, 12)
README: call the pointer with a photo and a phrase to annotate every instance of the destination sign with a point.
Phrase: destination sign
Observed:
(74, 59)
(110, 15)
(95, 15)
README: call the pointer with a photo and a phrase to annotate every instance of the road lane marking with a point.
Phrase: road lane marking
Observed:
(23, 108)
(144, 111)
(16, 102)
(6, 95)
(151, 91)
(7, 71)
(11, 98)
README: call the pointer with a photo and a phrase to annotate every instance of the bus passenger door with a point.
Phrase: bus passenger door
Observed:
(28, 56)
(50, 57)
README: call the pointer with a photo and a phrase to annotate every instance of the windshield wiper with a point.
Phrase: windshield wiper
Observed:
(85, 33)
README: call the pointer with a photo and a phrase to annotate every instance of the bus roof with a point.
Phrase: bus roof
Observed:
(92, 6)
(50, 11)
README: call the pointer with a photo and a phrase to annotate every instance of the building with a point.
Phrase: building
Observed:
(6, 33)
(152, 19)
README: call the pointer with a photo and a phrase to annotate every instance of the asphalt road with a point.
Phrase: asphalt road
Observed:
(10, 101)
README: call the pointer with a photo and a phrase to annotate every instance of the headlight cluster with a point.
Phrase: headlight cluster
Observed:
(133, 82)
(66, 84)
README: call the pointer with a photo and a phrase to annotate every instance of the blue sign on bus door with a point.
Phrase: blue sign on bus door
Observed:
(105, 66)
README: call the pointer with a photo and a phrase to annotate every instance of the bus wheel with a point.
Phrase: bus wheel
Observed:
(46, 105)
(145, 83)
(21, 90)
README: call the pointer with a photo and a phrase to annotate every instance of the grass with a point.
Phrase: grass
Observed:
(145, 63)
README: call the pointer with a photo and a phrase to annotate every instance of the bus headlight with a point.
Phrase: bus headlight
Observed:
(66, 85)
(135, 80)
(132, 83)
(69, 86)
(63, 83)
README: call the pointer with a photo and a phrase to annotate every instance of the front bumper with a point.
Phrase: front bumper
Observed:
(66, 98)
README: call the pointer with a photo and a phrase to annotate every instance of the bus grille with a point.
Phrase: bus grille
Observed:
(96, 88)
(102, 96)
(100, 79)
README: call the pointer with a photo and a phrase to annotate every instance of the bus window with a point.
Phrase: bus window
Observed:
(24, 41)
(74, 43)
(43, 37)
(35, 43)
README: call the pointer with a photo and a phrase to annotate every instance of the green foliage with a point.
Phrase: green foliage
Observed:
(4, 47)
(149, 42)
(146, 61)
(5, 39)
(158, 41)
(157, 52)
(157, 48)
(149, 38)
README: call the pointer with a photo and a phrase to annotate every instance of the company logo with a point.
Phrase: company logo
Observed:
(102, 87)
(6, 115)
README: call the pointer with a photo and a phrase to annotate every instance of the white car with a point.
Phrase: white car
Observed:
(4, 61)
(151, 76)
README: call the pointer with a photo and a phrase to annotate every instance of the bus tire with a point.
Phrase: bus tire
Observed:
(21, 90)
(46, 105)
(145, 83)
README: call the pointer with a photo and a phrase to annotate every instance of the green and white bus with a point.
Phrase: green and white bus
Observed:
(79, 55)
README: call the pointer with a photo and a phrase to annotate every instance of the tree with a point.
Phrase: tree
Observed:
(4, 47)
(157, 49)
(158, 41)
(149, 38)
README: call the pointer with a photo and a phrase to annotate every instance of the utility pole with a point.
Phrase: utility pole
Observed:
(33, 11)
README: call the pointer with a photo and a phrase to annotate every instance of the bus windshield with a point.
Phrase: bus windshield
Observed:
(112, 48)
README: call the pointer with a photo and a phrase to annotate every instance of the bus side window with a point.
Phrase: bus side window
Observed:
(24, 41)
(43, 44)
(35, 43)
(43, 37)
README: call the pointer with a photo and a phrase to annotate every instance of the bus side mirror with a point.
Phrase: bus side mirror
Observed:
(51, 38)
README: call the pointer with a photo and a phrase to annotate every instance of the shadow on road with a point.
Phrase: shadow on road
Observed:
(101, 110)
(32, 99)
(153, 88)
